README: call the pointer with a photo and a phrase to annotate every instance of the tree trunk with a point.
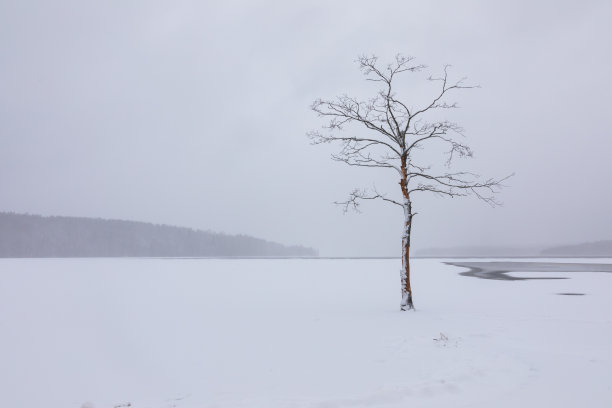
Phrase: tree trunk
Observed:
(405, 273)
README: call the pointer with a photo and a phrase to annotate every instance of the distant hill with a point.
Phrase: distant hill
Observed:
(477, 252)
(588, 249)
(595, 249)
(34, 236)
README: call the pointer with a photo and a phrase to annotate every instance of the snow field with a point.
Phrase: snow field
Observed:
(299, 333)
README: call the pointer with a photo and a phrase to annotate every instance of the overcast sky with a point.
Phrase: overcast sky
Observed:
(194, 113)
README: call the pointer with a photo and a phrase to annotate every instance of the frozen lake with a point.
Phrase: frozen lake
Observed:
(186, 333)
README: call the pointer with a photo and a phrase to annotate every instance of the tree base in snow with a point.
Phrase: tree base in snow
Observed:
(406, 302)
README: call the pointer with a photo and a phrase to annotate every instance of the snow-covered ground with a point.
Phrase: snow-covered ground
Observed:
(187, 333)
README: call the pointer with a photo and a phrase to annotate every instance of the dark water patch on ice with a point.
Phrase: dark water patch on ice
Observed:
(572, 294)
(500, 270)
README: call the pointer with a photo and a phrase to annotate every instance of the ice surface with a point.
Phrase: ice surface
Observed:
(189, 333)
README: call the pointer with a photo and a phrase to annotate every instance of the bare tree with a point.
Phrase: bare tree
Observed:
(395, 130)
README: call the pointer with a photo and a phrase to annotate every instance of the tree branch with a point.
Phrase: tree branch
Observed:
(458, 185)
(353, 202)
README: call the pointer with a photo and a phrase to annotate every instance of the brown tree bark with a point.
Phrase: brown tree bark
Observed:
(406, 289)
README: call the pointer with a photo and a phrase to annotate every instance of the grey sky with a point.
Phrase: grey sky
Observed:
(194, 113)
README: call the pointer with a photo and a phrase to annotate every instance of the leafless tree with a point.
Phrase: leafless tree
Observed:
(394, 131)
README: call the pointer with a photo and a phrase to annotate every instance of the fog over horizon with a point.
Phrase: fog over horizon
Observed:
(194, 114)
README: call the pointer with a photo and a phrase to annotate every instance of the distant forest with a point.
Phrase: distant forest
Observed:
(34, 236)
(594, 249)
(602, 249)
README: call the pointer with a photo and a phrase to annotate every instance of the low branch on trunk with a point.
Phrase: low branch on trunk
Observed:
(353, 201)
(460, 184)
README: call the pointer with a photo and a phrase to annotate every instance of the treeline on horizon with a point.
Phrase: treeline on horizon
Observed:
(595, 249)
(35, 236)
